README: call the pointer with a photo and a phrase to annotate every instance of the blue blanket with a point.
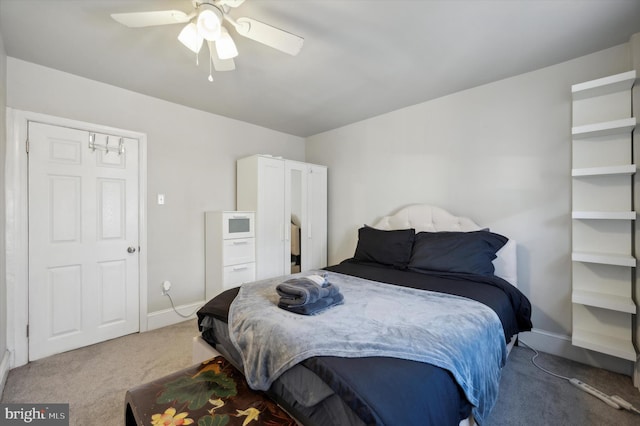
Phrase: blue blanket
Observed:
(458, 334)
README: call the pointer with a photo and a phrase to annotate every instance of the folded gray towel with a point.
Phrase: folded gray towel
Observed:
(303, 291)
(317, 306)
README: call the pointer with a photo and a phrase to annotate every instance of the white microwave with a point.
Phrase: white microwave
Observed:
(238, 224)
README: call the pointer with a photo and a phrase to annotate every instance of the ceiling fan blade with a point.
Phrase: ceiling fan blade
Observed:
(220, 64)
(223, 64)
(149, 19)
(271, 36)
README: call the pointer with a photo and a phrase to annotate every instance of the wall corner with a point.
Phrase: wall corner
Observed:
(634, 56)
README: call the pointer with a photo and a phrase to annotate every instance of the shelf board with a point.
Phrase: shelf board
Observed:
(627, 169)
(603, 258)
(620, 348)
(604, 215)
(604, 86)
(607, 128)
(604, 300)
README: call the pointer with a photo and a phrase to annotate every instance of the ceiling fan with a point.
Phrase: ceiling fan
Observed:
(204, 23)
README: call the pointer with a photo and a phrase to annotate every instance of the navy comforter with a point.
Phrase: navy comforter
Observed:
(390, 391)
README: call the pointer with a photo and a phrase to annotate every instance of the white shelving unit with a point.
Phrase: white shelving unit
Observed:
(602, 216)
(607, 301)
(606, 128)
(628, 169)
(603, 259)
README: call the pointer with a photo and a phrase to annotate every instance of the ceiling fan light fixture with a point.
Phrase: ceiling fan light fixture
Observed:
(225, 46)
(205, 22)
(190, 37)
(209, 22)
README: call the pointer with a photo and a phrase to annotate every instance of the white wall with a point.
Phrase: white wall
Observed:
(498, 153)
(191, 159)
(4, 358)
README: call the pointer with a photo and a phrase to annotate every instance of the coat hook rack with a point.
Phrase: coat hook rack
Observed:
(106, 147)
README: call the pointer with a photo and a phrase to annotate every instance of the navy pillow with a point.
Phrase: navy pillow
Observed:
(385, 247)
(466, 252)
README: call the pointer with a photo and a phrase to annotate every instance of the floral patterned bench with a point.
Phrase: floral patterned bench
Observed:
(213, 393)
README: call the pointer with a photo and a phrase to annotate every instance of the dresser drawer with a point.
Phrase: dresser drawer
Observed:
(239, 274)
(240, 250)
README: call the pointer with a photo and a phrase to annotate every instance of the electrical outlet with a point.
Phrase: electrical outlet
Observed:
(166, 286)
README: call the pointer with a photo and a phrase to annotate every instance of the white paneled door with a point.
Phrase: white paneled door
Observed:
(83, 238)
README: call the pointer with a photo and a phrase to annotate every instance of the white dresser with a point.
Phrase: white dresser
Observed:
(230, 248)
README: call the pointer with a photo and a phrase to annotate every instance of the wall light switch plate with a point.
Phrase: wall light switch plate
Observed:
(160, 199)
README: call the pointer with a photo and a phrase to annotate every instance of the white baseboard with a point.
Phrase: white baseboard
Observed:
(560, 345)
(166, 317)
(4, 370)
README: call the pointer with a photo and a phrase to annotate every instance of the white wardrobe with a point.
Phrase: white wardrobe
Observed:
(290, 201)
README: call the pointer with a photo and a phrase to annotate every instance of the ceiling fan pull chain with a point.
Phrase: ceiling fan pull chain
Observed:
(210, 61)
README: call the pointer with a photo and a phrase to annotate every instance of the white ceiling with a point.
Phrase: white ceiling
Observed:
(360, 58)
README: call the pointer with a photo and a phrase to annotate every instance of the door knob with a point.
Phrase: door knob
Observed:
(131, 250)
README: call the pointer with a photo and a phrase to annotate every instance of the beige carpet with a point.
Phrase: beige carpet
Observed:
(94, 380)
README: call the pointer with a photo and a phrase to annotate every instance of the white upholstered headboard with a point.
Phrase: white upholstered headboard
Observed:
(423, 217)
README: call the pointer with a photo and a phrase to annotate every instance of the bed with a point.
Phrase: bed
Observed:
(372, 360)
